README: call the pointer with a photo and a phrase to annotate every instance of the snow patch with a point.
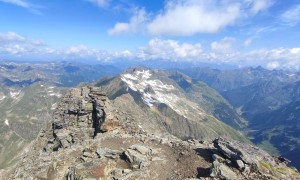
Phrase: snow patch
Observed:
(156, 91)
(147, 98)
(6, 122)
(129, 83)
(54, 94)
(131, 77)
(140, 80)
(53, 106)
(14, 93)
(145, 74)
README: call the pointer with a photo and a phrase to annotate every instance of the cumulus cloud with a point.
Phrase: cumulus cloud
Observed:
(273, 58)
(292, 16)
(224, 46)
(189, 17)
(135, 23)
(170, 50)
(13, 43)
(11, 36)
(100, 3)
(273, 65)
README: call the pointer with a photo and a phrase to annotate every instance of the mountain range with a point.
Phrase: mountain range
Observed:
(197, 103)
(91, 137)
(267, 99)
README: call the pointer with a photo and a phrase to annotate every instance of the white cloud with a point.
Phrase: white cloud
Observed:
(119, 28)
(24, 4)
(100, 3)
(20, 3)
(292, 16)
(273, 65)
(135, 23)
(11, 36)
(259, 5)
(273, 58)
(83, 52)
(224, 46)
(13, 43)
(189, 17)
(170, 50)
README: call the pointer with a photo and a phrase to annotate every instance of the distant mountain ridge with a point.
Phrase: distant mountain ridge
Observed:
(262, 101)
(267, 99)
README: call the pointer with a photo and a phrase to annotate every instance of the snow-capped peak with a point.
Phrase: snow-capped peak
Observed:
(160, 92)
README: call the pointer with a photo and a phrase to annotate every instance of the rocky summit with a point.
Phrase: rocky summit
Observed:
(89, 138)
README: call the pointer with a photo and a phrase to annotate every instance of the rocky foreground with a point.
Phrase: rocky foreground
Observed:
(90, 139)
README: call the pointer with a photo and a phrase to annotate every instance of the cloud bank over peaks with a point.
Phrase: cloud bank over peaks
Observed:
(13, 45)
(170, 50)
(224, 46)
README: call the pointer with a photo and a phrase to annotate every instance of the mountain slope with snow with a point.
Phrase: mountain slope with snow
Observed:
(152, 95)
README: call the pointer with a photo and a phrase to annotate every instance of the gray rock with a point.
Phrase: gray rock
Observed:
(136, 159)
(240, 164)
(126, 171)
(141, 149)
(88, 154)
(235, 150)
(219, 170)
(109, 153)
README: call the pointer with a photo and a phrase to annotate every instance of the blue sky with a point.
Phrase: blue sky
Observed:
(241, 32)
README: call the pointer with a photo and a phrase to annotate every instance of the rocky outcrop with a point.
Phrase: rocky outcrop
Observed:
(81, 115)
(89, 139)
(248, 162)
